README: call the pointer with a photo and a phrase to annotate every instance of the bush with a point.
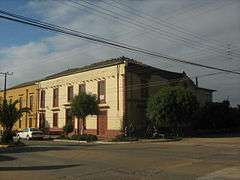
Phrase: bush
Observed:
(84, 137)
(7, 137)
(68, 127)
(123, 138)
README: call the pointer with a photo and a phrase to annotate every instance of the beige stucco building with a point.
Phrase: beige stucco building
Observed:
(122, 87)
(27, 95)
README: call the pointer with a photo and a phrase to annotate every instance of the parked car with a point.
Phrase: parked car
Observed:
(30, 133)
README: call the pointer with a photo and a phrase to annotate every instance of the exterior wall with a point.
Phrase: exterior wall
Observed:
(113, 77)
(203, 96)
(28, 119)
(139, 81)
(140, 87)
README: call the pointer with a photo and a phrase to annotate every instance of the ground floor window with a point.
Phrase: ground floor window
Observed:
(55, 119)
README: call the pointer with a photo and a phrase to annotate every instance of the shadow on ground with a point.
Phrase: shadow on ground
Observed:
(32, 149)
(7, 158)
(37, 168)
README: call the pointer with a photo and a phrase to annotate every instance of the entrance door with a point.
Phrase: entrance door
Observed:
(102, 123)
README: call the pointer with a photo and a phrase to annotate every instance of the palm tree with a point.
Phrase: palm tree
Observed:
(9, 115)
(83, 105)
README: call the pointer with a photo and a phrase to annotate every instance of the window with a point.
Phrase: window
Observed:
(82, 88)
(55, 119)
(70, 93)
(101, 92)
(30, 122)
(20, 102)
(31, 102)
(42, 99)
(55, 97)
(19, 123)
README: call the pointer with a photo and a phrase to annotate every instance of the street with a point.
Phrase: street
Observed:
(216, 158)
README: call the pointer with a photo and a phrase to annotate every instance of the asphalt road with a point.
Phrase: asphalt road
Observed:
(201, 159)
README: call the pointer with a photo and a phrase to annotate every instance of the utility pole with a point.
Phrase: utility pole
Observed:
(5, 83)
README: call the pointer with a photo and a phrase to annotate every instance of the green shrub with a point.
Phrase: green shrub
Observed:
(84, 137)
(63, 136)
(68, 127)
(7, 137)
(123, 138)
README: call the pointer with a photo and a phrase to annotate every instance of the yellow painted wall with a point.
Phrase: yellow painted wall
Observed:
(90, 78)
(25, 93)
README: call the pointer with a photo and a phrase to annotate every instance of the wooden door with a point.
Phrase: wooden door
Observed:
(102, 123)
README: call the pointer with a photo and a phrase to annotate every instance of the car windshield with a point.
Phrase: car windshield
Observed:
(34, 129)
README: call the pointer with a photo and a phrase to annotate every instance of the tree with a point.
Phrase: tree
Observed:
(9, 115)
(171, 108)
(217, 116)
(83, 105)
(68, 128)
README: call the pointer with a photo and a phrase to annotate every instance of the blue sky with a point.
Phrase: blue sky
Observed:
(31, 53)
(14, 34)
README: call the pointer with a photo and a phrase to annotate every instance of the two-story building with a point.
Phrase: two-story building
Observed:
(122, 87)
(27, 95)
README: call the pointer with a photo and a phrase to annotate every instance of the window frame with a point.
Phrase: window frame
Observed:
(55, 120)
(102, 101)
(80, 87)
(42, 98)
(70, 95)
(31, 98)
(56, 97)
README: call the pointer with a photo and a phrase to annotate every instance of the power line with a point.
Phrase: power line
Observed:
(158, 20)
(142, 25)
(63, 30)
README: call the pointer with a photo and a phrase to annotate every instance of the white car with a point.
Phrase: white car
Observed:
(30, 133)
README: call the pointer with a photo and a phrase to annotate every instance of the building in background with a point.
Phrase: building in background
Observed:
(122, 87)
(27, 95)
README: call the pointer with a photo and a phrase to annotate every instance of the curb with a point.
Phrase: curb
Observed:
(70, 141)
(121, 142)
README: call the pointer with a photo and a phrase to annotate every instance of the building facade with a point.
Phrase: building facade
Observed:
(121, 86)
(27, 95)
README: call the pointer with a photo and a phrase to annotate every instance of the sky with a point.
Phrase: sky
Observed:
(201, 31)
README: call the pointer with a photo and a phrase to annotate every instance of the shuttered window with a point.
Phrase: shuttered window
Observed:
(82, 88)
(102, 91)
(55, 119)
(55, 97)
(70, 93)
(31, 102)
(42, 99)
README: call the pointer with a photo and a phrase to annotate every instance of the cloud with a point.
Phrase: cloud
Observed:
(217, 22)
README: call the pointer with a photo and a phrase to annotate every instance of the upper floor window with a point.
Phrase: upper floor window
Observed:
(31, 102)
(70, 93)
(42, 99)
(20, 102)
(55, 97)
(82, 88)
(102, 91)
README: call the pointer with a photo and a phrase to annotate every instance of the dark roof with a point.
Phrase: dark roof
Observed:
(210, 90)
(23, 85)
(115, 61)
(131, 63)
